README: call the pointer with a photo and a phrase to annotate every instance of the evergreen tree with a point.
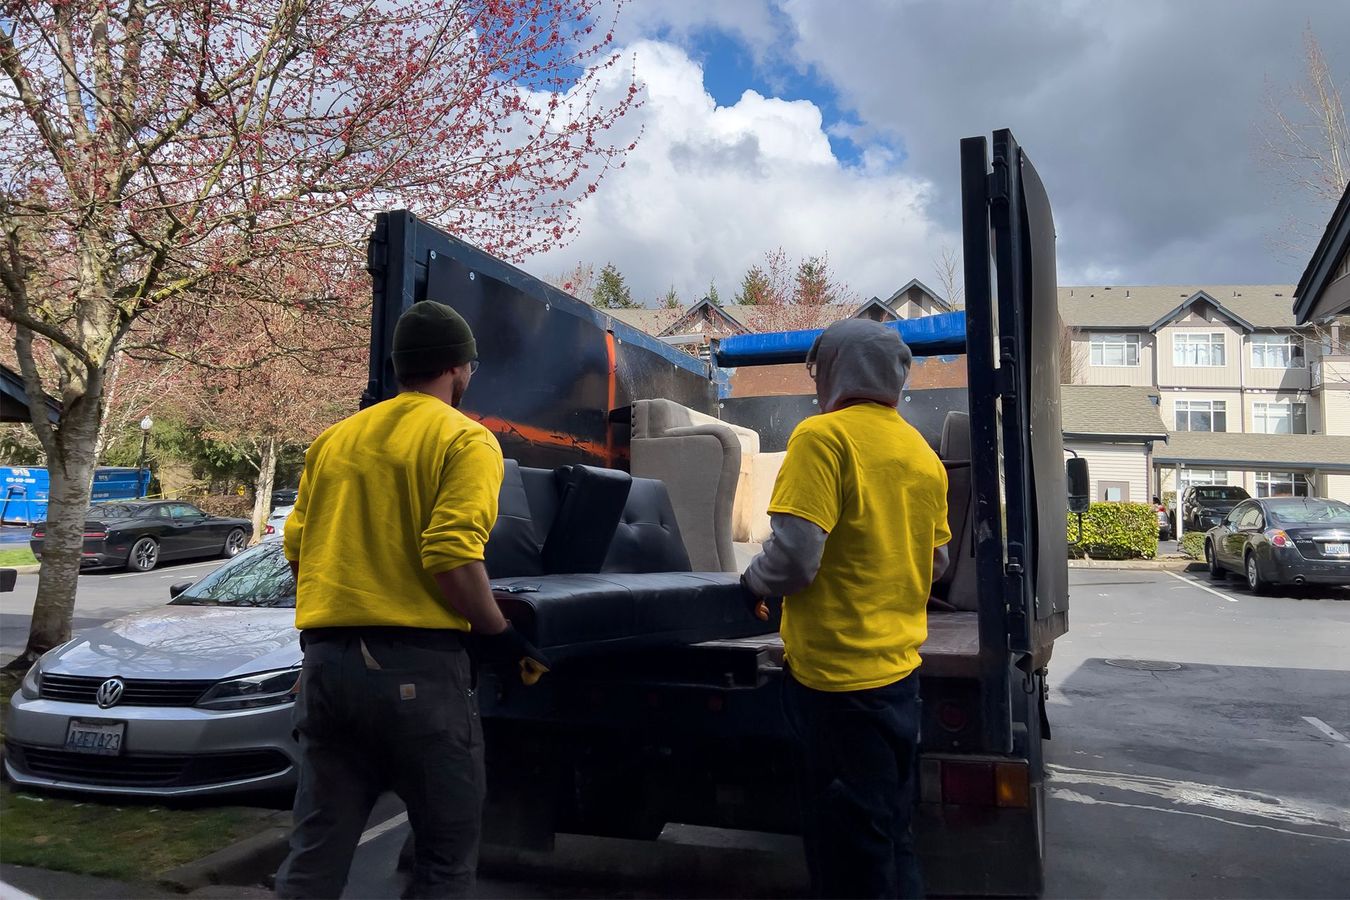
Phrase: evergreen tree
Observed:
(610, 290)
(671, 300)
(755, 288)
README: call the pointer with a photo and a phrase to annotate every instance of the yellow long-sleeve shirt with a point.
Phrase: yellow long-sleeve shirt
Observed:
(390, 497)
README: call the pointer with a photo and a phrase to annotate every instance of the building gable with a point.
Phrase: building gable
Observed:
(1200, 309)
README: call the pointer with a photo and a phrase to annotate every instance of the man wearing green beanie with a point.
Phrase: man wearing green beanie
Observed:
(387, 540)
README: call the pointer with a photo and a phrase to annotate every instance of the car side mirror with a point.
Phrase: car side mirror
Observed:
(1080, 485)
(176, 589)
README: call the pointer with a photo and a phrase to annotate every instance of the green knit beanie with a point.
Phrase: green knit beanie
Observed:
(430, 338)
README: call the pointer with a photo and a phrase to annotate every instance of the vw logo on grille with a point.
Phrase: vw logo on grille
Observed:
(109, 692)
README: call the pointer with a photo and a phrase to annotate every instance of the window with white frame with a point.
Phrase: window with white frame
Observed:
(1201, 415)
(1113, 349)
(1199, 349)
(1281, 484)
(1280, 417)
(1191, 477)
(1277, 351)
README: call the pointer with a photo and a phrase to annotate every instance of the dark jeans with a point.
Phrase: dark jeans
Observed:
(386, 709)
(858, 774)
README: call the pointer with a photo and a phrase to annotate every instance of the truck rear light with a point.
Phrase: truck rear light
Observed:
(1012, 785)
(1006, 785)
(1278, 537)
(968, 783)
(952, 717)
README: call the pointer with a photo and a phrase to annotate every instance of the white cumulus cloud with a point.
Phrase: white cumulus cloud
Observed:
(710, 188)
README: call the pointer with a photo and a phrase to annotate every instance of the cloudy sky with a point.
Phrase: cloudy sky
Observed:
(832, 127)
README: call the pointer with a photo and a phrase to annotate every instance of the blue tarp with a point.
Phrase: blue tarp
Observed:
(25, 490)
(927, 336)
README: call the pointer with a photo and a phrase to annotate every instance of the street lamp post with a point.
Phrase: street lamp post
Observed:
(146, 424)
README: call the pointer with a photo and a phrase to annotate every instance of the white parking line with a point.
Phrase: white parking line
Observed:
(176, 569)
(384, 827)
(1204, 587)
(1328, 731)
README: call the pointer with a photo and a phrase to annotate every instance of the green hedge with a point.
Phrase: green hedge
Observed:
(1193, 544)
(1116, 531)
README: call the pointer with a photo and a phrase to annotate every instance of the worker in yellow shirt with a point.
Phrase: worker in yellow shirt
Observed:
(386, 539)
(859, 520)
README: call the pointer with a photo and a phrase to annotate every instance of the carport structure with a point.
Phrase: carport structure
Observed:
(1316, 464)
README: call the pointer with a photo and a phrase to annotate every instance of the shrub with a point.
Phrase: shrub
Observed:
(1193, 544)
(1116, 531)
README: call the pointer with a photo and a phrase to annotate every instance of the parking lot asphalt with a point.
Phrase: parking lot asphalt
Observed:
(102, 595)
(1199, 750)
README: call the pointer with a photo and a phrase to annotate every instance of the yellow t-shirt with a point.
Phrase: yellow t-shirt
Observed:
(396, 494)
(865, 476)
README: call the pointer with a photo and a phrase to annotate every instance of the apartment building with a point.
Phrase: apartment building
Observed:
(1248, 397)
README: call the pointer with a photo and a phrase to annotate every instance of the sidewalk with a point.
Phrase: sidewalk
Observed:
(46, 884)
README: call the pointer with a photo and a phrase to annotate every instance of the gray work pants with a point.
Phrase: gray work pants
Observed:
(386, 709)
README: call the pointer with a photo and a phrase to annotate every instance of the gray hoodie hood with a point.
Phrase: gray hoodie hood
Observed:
(859, 360)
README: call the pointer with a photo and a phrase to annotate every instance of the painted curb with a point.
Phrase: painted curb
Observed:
(1170, 564)
(26, 570)
(247, 862)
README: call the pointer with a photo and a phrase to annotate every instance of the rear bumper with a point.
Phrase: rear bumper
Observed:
(1289, 567)
(94, 554)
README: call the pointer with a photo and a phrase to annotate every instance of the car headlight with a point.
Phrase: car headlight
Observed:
(31, 685)
(263, 689)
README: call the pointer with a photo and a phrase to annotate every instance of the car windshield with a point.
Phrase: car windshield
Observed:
(114, 511)
(1220, 493)
(260, 577)
(1311, 511)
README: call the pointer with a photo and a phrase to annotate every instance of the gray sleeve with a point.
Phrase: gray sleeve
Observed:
(790, 558)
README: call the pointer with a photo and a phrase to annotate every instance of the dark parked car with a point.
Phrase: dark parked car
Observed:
(284, 497)
(1204, 505)
(1284, 540)
(141, 534)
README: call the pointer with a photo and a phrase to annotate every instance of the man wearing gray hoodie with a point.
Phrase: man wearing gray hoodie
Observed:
(859, 519)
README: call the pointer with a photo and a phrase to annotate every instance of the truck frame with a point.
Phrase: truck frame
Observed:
(622, 745)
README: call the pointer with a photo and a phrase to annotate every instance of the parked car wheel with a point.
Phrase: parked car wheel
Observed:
(1215, 570)
(144, 555)
(1255, 582)
(235, 543)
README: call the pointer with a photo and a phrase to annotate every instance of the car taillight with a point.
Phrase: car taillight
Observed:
(1278, 538)
(38, 534)
(96, 534)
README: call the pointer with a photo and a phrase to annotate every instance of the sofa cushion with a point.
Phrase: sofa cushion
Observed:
(648, 538)
(513, 547)
(590, 503)
(568, 616)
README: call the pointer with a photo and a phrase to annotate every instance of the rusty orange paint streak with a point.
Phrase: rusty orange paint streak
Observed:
(533, 435)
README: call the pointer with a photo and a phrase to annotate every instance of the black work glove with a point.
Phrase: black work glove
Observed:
(509, 647)
(758, 606)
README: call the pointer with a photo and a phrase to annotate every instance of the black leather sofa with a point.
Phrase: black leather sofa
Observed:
(586, 560)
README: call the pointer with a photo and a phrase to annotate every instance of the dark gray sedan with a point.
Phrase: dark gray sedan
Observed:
(1282, 540)
(141, 534)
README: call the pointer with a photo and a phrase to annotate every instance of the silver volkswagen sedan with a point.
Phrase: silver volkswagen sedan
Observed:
(192, 698)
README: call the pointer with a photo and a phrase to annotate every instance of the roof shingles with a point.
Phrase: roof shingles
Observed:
(1130, 306)
(1111, 411)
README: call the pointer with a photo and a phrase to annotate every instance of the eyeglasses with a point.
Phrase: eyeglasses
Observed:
(473, 366)
(811, 369)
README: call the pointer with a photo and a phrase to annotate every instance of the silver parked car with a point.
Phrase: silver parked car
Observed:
(275, 529)
(192, 698)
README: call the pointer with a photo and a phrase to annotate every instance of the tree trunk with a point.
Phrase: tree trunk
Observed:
(262, 497)
(72, 477)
